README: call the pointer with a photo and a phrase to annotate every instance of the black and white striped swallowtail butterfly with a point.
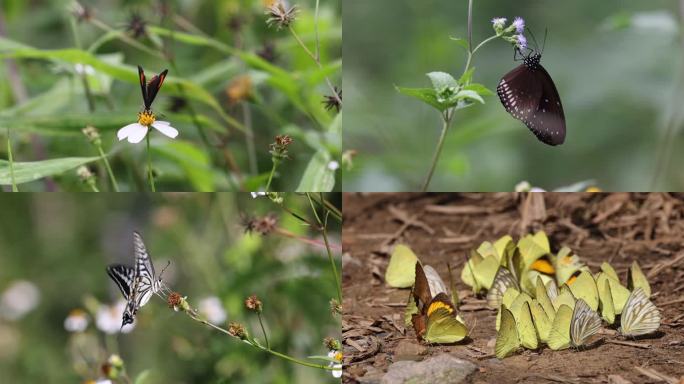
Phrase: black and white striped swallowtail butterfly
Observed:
(137, 283)
(529, 94)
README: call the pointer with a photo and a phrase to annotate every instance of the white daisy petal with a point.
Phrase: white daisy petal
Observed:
(127, 130)
(138, 134)
(162, 122)
(165, 128)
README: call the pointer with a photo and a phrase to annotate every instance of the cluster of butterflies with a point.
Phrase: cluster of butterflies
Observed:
(555, 299)
(541, 297)
(137, 283)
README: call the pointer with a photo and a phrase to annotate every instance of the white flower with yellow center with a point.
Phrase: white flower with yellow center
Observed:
(136, 132)
(336, 367)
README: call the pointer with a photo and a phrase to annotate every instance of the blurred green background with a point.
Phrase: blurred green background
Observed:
(617, 66)
(61, 245)
(275, 89)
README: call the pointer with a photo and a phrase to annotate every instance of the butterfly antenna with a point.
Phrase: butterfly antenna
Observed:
(546, 32)
(168, 262)
(454, 294)
(536, 45)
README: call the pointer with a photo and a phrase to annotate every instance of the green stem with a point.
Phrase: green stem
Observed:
(112, 179)
(273, 169)
(263, 330)
(82, 75)
(318, 63)
(11, 162)
(438, 150)
(324, 231)
(196, 317)
(472, 53)
(149, 164)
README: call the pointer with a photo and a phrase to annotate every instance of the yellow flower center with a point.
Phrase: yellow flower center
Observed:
(338, 356)
(146, 118)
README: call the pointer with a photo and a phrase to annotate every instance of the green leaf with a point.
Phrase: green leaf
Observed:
(469, 95)
(461, 42)
(25, 172)
(426, 95)
(318, 177)
(467, 76)
(442, 80)
(142, 377)
(194, 162)
(479, 88)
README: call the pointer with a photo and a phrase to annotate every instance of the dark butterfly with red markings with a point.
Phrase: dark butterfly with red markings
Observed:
(529, 94)
(149, 90)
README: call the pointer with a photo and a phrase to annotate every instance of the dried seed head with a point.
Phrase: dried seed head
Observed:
(92, 134)
(335, 307)
(175, 300)
(281, 16)
(84, 173)
(253, 303)
(237, 330)
(332, 343)
(137, 26)
(279, 147)
(81, 12)
(333, 101)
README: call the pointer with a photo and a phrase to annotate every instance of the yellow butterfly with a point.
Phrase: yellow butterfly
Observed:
(637, 279)
(401, 271)
(514, 334)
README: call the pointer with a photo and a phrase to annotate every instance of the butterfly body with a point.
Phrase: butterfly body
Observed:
(529, 95)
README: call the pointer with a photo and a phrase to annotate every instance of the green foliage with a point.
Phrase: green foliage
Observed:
(589, 52)
(25, 172)
(62, 243)
(225, 132)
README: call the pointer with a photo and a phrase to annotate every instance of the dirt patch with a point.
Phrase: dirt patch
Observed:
(442, 228)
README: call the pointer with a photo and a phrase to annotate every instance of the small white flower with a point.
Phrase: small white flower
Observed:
(333, 165)
(498, 22)
(81, 69)
(20, 298)
(257, 194)
(337, 367)
(136, 132)
(212, 309)
(77, 321)
(108, 318)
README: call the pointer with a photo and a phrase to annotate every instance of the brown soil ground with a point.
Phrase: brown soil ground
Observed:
(618, 228)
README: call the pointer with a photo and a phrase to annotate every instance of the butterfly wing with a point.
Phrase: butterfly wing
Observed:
(639, 316)
(143, 86)
(123, 277)
(507, 340)
(145, 284)
(421, 288)
(559, 336)
(541, 321)
(153, 87)
(502, 281)
(530, 96)
(442, 325)
(585, 323)
(637, 279)
(584, 287)
(606, 301)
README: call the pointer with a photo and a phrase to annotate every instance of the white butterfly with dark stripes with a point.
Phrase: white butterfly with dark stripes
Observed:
(138, 283)
(639, 316)
(585, 323)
